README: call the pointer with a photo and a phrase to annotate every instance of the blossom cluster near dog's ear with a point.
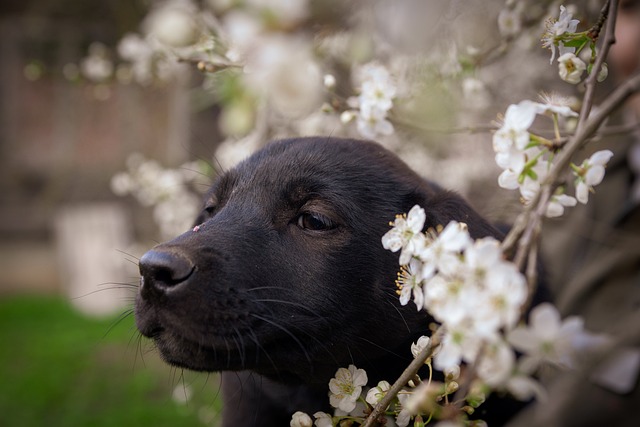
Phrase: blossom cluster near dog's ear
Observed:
(478, 297)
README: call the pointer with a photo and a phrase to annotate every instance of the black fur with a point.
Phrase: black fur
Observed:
(285, 279)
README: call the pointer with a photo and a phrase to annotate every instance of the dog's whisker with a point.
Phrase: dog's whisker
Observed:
(262, 350)
(381, 347)
(118, 320)
(291, 303)
(286, 331)
(269, 288)
(391, 301)
(130, 255)
(239, 345)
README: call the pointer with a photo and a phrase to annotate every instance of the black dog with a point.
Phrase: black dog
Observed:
(285, 278)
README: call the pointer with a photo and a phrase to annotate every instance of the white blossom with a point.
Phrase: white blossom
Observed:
(514, 131)
(377, 91)
(174, 206)
(524, 387)
(481, 257)
(242, 30)
(323, 419)
(537, 173)
(122, 184)
(556, 28)
(348, 116)
(375, 394)
(475, 93)
(300, 419)
(570, 68)
(97, 67)
(497, 363)
(139, 53)
(505, 290)
(173, 24)
(556, 104)
(329, 81)
(510, 21)
(443, 253)
(404, 415)
(513, 162)
(591, 174)
(284, 70)
(406, 230)
(418, 346)
(547, 338)
(457, 344)
(409, 283)
(444, 298)
(557, 203)
(346, 387)
(372, 122)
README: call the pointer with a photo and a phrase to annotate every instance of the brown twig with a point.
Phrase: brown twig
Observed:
(406, 376)
(608, 13)
(469, 376)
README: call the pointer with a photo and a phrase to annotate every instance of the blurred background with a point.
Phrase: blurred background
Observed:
(70, 355)
(116, 114)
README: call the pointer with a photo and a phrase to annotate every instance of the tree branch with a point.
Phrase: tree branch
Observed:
(407, 375)
(608, 12)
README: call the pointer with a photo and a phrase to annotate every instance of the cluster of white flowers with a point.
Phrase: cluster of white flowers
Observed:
(166, 190)
(344, 391)
(465, 285)
(527, 158)
(561, 35)
(590, 173)
(171, 30)
(377, 91)
(477, 296)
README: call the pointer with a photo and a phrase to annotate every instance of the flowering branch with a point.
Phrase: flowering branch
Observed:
(527, 225)
(406, 376)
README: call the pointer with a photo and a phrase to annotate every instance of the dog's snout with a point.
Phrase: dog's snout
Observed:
(162, 269)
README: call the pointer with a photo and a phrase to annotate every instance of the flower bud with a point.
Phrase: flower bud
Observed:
(329, 81)
(603, 73)
(300, 419)
(452, 387)
(347, 116)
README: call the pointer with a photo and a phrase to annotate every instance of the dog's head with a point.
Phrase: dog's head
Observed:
(285, 273)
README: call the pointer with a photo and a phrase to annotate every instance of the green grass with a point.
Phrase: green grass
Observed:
(59, 368)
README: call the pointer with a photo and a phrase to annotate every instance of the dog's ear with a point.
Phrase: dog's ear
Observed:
(443, 206)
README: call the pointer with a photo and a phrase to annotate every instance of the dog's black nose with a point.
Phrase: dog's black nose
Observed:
(162, 269)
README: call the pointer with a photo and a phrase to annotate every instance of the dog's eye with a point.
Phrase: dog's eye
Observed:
(210, 207)
(315, 222)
